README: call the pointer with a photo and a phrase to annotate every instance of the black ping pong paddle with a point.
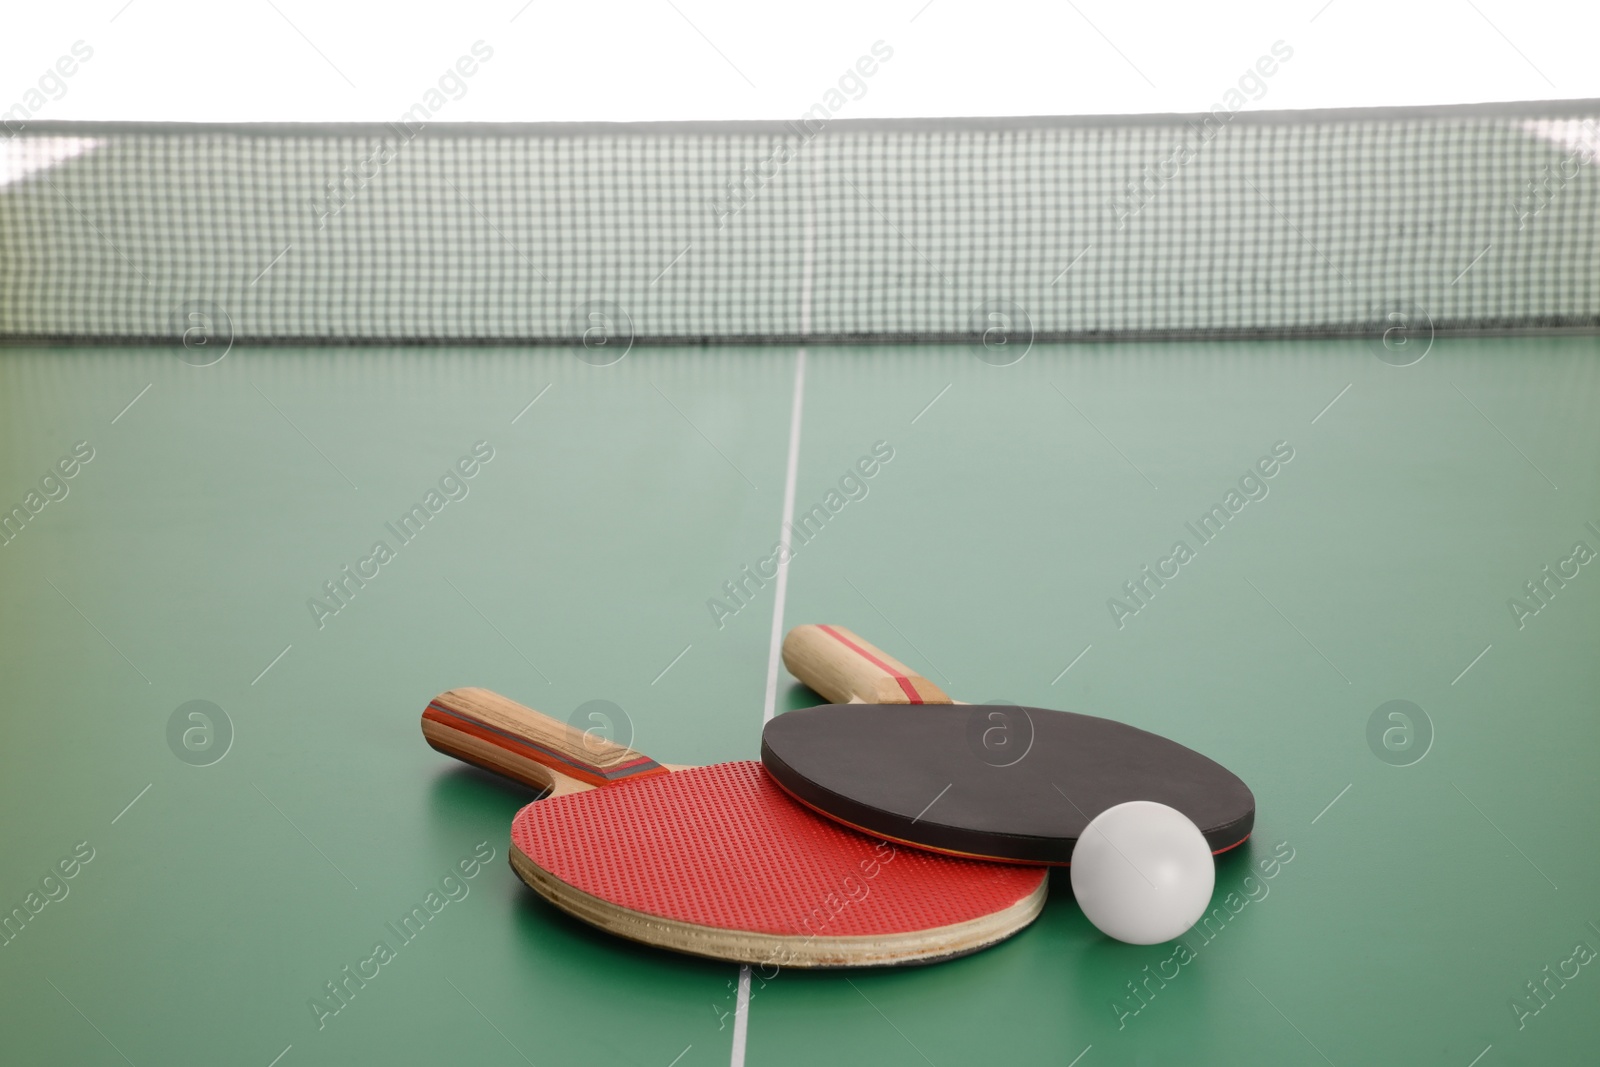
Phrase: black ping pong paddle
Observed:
(895, 757)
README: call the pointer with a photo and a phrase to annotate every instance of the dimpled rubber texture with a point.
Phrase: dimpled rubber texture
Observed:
(724, 847)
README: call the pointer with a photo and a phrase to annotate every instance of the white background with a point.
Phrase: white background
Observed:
(329, 60)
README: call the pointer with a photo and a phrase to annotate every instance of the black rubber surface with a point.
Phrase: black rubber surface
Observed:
(986, 780)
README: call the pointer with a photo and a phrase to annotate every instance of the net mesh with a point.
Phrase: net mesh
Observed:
(1267, 224)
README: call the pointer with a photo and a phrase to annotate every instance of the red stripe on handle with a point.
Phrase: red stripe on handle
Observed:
(529, 749)
(912, 696)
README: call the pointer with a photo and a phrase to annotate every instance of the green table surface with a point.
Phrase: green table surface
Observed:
(1433, 871)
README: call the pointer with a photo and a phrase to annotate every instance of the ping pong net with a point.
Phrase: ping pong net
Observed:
(1477, 218)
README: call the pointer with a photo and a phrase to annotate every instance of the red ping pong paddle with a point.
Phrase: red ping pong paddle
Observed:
(717, 861)
(986, 781)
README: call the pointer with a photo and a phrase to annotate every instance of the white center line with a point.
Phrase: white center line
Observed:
(781, 587)
(279, 1056)
(780, 592)
(741, 1017)
(1480, 1055)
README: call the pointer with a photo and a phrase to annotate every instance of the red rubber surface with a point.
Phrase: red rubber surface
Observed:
(724, 847)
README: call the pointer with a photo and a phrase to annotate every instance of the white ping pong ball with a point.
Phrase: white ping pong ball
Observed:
(1142, 872)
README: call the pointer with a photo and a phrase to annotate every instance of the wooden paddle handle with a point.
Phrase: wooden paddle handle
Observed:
(847, 670)
(500, 735)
